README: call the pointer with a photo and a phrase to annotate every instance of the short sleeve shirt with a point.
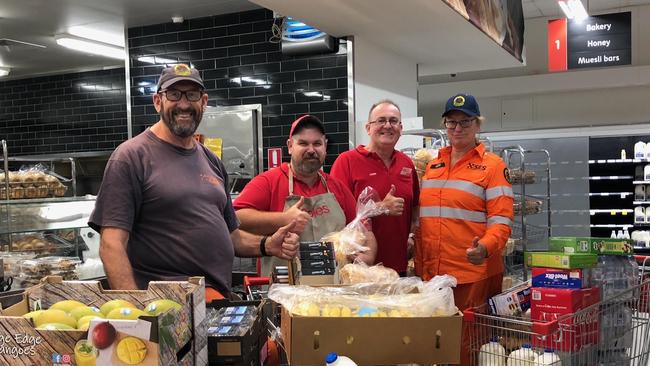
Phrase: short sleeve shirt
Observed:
(269, 190)
(360, 168)
(174, 202)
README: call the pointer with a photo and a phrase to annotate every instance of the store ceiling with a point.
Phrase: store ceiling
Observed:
(380, 21)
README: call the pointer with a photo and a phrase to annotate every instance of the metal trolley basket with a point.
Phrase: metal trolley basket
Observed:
(613, 331)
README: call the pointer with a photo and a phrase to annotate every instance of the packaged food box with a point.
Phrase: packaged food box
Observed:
(553, 304)
(561, 278)
(237, 333)
(512, 302)
(173, 336)
(571, 244)
(560, 260)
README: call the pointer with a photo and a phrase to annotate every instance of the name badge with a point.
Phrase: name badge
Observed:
(406, 171)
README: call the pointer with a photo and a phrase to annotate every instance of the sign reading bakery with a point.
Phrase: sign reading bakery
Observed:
(598, 41)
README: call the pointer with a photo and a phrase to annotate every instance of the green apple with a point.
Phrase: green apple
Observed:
(160, 306)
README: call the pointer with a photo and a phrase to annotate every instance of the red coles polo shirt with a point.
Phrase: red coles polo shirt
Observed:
(359, 169)
(269, 190)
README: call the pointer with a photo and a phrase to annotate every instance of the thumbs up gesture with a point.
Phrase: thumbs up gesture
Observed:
(477, 253)
(297, 214)
(284, 243)
(395, 205)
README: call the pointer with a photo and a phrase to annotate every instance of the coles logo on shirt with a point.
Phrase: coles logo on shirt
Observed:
(320, 210)
(406, 171)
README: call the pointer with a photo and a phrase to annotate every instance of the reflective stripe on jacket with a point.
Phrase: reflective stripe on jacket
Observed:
(474, 199)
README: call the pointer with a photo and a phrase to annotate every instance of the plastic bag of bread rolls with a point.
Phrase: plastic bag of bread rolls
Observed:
(359, 272)
(351, 240)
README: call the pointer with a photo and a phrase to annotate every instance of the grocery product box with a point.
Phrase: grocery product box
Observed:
(372, 341)
(236, 335)
(551, 304)
(175, 335)
(560, 260)
(561, 278)
(512, 302)
(572, 244)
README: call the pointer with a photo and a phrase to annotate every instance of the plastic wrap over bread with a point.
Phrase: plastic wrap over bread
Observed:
(404, 297)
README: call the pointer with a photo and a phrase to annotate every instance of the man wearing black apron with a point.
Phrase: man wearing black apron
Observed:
(299, 191)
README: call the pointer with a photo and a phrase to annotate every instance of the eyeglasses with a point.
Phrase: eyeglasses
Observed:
(176, 95)
(463, 123)
(382, 121)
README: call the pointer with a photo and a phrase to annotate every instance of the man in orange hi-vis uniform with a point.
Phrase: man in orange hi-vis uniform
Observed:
(465, 209)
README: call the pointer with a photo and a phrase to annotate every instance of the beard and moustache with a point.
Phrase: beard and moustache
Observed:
(178, 129)
(309, 164)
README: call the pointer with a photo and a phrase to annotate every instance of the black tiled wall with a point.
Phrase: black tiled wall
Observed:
(240, 66)
(64, 113)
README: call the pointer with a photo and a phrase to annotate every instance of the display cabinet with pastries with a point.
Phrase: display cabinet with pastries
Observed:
(43, 223)
(530, 175)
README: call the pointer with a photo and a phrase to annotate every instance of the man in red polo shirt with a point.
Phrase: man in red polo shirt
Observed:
(392, 174)
(300, 191)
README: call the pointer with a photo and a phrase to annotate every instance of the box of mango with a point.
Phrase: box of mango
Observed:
(405, 321)
(80, 323)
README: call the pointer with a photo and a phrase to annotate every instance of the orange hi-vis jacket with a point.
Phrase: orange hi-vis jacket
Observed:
(472, 199)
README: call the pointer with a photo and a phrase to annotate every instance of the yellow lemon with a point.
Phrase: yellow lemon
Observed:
(131, 350)
(346, 312)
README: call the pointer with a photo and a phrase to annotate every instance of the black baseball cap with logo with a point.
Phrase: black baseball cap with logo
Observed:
(304, 121)
(179, 72)
(464, 103)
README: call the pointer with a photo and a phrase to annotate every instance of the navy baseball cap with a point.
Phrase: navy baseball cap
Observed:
(173, 74)
(464, 103)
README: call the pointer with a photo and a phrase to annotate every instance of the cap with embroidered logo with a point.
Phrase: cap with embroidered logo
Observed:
(464, 103)
(179, 72)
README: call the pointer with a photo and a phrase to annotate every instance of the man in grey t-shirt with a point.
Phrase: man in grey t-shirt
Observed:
(163, 209)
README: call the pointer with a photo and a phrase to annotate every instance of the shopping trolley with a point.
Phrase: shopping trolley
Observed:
(613, 331)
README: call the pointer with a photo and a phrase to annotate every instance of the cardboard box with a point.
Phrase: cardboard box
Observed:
(560, 260)
(571, 244)
(512, 302)
(238, 350)
(175, 337)
(372, 341)
(561, 278)
(550, 304)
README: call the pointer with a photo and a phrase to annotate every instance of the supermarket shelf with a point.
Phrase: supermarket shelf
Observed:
(611, 226)
(612, 177)
(611, 211)
(641, 202)
(641, 182)
(618, 161)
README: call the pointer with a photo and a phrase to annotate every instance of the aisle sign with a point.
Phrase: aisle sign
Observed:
(599, 41)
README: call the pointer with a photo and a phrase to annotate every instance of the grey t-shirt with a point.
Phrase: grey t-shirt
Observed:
(175, 205)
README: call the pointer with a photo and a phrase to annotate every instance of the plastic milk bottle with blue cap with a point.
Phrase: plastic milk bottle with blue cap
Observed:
(548, 358)
(492, 354)
(524, 356)
(333, 359)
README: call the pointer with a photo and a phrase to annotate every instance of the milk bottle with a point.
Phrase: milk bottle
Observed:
(492, 354)
(548, 358)
(333, 359)
(639, 150)
(523, 356)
